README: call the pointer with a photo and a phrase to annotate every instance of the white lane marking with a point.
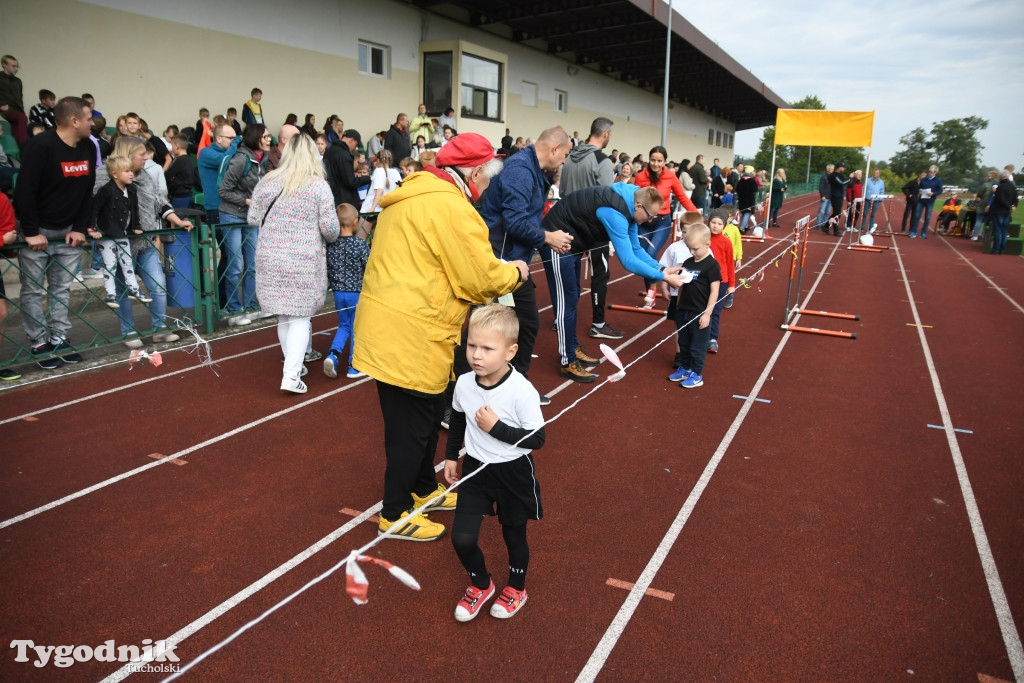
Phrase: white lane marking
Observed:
(618, 625)
(165, 375)
(1011, 638)
(280, 571)
(191, 449)
(987, 279)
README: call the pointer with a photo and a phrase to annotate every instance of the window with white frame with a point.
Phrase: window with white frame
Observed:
(481, 87)
(730, 141)
(561, 101)
(711, 136)
(374, 59)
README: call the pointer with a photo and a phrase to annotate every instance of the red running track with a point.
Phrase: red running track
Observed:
(820, 531)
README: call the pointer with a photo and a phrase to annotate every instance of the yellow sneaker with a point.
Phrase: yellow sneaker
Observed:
(407, 528)
(445, 502)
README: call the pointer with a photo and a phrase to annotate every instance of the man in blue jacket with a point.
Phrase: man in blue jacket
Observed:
(225, 142)
(513, 208)
(593, 216)
(873, 188)
(929, 188)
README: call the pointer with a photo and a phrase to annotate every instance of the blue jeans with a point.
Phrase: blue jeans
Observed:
(345, 305)
(823, 212)
(693, 341)
(240, 277)
(1000, 230)
(869, 216)
(653, 237)
(563, 275)
(150, 267)
(700, 202)
(924, 207)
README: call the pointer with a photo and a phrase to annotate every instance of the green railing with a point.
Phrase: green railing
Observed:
(194, 288)
(188, 261)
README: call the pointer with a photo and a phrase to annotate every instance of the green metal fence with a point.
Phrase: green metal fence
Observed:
(187, 259)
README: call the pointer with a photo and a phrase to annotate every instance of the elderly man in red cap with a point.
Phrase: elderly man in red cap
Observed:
(430, 261)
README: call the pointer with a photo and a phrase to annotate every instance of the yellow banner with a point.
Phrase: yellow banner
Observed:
(821, 128)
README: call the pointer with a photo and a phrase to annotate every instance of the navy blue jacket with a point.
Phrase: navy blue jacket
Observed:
(514, 207)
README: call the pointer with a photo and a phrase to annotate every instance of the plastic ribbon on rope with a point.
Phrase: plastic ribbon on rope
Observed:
(358, 587)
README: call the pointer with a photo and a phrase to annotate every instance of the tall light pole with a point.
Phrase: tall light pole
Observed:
(668, 59)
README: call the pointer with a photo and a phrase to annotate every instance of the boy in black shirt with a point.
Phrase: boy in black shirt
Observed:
(180, 174)
(697, 297)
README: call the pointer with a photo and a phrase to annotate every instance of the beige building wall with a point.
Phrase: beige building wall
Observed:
(165, 59)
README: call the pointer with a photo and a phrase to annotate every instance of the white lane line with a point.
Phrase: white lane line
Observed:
(987, 279)
(1011, 638)
(221, 609)
(191, 449)
(165, 375)
(618, 625)
(255, 587)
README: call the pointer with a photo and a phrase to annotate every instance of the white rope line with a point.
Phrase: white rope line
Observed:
(417, 511)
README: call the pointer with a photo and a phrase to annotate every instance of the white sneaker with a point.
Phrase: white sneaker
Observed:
(355, 374)
(238, 320)
(296, 386)
(134, 343)
(162, 337)
(264, 314)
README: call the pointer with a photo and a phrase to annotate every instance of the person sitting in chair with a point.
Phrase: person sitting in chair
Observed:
(948, 215)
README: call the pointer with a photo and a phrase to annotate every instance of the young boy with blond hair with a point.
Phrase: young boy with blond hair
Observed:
(346, 263)
(115, 218)
(675, 255)
(497, 411)
(694, 306)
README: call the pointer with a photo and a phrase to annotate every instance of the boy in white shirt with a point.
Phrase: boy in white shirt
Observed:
(505, 424)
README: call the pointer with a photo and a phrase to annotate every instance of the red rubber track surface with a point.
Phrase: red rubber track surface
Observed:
(832, 540)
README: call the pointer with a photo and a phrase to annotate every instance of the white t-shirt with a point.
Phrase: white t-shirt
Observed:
(381, 181)
(675, 255)
(514, 400)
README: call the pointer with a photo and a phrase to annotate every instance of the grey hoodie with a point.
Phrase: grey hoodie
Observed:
(586, 166)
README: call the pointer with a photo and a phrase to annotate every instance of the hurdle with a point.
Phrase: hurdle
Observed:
(798, 259)
(636, 309)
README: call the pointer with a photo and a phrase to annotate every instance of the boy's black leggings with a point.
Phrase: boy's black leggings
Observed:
(465, 537)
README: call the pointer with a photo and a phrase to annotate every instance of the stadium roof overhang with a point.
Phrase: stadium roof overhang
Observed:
(625, 39)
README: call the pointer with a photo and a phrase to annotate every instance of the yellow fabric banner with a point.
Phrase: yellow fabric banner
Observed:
(822, 128)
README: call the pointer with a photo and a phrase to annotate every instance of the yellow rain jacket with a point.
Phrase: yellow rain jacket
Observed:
(429, 262)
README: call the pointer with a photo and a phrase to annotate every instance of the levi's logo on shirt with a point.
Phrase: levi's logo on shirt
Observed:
(74, 168)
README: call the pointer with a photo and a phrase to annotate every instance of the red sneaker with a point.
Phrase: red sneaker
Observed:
(471, 603)
(508, 603)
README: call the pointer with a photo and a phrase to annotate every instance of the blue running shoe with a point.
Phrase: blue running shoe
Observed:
(679, 375)
(694, 380)
(331, 365)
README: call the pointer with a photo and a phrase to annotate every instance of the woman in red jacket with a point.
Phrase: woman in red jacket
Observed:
(654, 234)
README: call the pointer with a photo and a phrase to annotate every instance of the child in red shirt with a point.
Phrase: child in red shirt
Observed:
(721, 249)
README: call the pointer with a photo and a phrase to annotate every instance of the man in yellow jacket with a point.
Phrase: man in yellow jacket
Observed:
(430, 261)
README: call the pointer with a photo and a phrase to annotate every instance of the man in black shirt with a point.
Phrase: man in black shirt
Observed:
(837, 183)
(53, 201)
(341, 175)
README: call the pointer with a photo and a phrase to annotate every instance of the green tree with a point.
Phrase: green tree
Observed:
(952, 145)
(957, 148)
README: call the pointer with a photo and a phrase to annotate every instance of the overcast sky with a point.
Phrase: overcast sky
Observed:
(913, 63)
